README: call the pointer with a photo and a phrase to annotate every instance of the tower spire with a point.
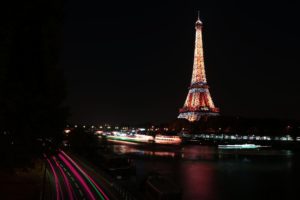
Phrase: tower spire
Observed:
(198, 22)
(198, 102)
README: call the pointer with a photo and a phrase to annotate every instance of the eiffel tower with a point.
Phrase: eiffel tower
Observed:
(198, 102)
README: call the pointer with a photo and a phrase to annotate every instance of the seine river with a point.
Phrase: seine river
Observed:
(208, 173)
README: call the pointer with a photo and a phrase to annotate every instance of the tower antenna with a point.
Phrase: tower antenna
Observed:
(198, 14)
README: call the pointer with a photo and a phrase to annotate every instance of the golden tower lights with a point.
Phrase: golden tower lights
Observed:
(198, 102)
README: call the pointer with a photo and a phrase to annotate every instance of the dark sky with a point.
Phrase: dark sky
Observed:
(132, 62)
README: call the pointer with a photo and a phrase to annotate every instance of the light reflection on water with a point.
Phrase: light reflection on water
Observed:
(197, 152)
(206, 173)
(127, 149)
(198, 181)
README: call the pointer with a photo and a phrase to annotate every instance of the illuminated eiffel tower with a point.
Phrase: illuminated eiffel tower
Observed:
(198, 102)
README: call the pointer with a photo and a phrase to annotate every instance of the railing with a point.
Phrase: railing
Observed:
(199, 109)
(199, 85)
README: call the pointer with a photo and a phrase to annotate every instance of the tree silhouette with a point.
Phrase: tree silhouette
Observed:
(32, 87)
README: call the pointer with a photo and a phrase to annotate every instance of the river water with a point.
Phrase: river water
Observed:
(208, 173)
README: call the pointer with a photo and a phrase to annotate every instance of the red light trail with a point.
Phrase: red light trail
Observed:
(69, 169)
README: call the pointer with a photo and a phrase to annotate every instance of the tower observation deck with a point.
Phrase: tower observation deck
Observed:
(198, 102)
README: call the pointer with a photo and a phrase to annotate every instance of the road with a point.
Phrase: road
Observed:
(71, 180)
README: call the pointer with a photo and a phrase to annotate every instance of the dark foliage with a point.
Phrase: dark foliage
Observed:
(83, 141)
(32, 87)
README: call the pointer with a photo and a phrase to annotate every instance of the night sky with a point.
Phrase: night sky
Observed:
(131, 62)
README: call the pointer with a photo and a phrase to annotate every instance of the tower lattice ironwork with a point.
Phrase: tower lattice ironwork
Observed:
(198, 102)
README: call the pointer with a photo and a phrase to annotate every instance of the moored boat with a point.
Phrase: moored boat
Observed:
(239, 146)
(167, 139)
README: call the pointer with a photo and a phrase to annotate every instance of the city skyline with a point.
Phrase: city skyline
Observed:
(124, 68)
(120, 100)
